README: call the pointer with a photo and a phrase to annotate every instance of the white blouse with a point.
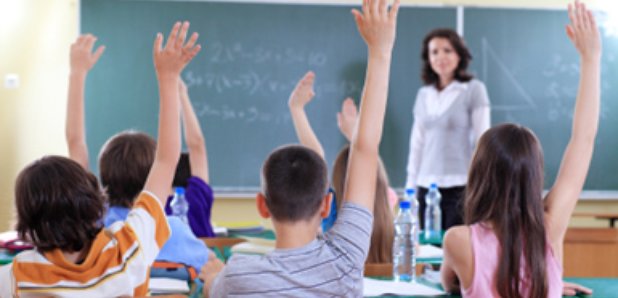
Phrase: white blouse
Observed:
(447, 125)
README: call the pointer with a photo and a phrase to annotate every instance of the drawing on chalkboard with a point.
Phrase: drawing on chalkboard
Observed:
(490, 55)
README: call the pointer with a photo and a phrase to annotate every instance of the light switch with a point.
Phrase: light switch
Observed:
(11, 81)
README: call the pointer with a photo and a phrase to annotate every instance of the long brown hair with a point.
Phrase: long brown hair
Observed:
(505, 186)
(381, 249)
(461, 74)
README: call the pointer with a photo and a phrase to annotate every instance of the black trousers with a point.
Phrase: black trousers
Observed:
(451, 206)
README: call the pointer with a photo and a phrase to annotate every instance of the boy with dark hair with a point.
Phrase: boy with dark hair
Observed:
(124, 163)
(294, 172)
(103, 263)
(332, 265)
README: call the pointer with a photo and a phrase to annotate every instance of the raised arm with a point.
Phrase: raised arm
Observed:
(377, 25)
(169, 63)
(196, 143)
(563, 196)
(301, 96)
(481, 113)
(346, 119)
(82, 60)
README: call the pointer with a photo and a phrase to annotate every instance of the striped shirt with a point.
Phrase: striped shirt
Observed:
(117, 264)
(330, 266)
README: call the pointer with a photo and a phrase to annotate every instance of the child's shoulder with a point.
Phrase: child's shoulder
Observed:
(457, 244)
(457, 234)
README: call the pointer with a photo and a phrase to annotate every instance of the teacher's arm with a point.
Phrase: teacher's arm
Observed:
(417, 137)
(481, 112)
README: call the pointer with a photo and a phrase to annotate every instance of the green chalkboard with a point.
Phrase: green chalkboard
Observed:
(252, 56)
(532, 72)
(254, 53)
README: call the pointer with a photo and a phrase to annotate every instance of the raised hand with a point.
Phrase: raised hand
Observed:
(82, 57)
(182, 88)
(346, 119)
(303, 92)
(583, 31)
(377, 24)
(301, 95)
(172, 59)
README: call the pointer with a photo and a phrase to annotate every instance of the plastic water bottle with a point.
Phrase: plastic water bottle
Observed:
(433, 213)
(411, 197)
(179, 205)
(404, 250)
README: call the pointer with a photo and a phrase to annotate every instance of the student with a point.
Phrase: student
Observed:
(124, 163)
(381, 249)
(511, 245)
(59, 207)
(294, 182)
(192, 171)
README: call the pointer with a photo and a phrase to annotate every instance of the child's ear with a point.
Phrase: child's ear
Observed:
(260, 201)
(326, 204)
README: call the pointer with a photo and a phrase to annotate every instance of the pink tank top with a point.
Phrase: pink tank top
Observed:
(485, 247)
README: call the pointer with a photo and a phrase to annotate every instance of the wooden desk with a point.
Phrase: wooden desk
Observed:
(591, 252)
(611, 217)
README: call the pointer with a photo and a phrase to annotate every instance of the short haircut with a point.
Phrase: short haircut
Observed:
(124, 163)
(183, 171)
(59, 205)
(461, 74)
(294, 182)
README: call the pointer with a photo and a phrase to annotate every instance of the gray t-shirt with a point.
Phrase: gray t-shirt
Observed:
(330, 266)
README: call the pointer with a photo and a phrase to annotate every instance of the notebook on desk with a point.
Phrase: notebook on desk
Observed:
(162, 285)
(241, 226)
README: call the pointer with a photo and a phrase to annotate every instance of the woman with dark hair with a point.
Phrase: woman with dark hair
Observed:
(451, 112)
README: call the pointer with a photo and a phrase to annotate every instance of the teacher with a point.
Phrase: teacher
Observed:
(451, 112)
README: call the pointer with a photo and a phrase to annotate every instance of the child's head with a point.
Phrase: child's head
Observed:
(124, 163)
(294, 183)
(506, 176)
(505, 186)
(59, 204)
(183, 171)
(382, 238)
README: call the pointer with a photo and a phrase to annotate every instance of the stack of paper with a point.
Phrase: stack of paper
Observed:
(429, 251)
(374, 287)
(254, 246)
(242, 226)
(161, 285)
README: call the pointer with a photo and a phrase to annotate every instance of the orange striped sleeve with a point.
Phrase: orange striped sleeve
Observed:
(152, 205)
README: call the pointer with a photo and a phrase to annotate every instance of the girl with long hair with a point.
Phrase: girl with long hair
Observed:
(512, 241)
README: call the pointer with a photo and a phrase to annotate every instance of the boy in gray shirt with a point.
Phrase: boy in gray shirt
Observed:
(294, 193)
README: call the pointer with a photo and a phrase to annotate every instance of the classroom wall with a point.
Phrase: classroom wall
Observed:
(35, 36)
(34, 40)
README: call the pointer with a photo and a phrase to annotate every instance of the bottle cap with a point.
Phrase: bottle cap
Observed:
(179, 191)
(434, 186)
(404, 205)
(409, 191)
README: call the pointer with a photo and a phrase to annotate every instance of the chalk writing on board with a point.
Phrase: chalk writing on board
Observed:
(489, 55)
(251, 83)
(221, 53)
(561, 89)
(560, 92)
(248, 114)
